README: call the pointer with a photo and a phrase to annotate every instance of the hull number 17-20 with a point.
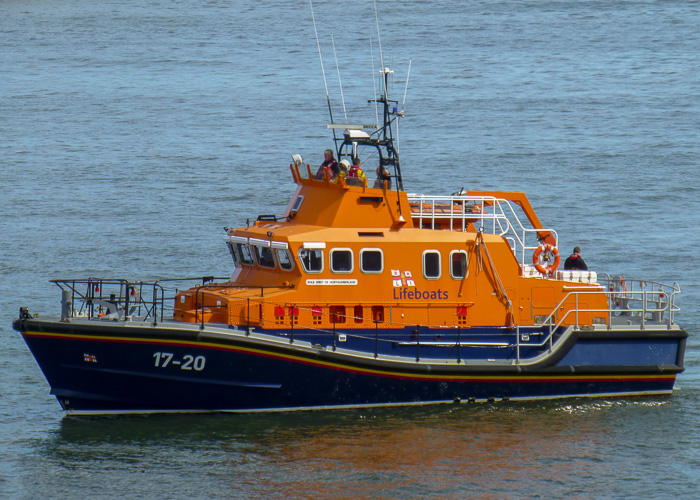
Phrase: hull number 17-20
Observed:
(188, 362)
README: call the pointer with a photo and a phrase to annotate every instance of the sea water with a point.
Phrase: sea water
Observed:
(132, 132)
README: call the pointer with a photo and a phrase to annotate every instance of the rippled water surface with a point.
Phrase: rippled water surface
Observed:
(132, 132)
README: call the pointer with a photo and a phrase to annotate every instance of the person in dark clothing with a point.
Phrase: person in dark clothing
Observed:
(382, 175)
(574, 262)
(330, 163)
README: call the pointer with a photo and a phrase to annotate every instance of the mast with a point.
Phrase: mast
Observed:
(381, 139)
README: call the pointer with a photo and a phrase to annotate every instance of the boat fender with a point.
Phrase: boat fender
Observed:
(510, 320)
(546, 259)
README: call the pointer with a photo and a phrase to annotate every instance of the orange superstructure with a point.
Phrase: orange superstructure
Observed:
(353, 255)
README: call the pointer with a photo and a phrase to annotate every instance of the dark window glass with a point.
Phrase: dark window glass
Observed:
(371, 261)
(264, 256)
(297, 203)
(285, 259)
(232, 249)
(244, 253)
(458, 266)
(431, 265)
(341, 261)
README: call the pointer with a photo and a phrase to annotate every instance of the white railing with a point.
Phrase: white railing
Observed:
(488, 213)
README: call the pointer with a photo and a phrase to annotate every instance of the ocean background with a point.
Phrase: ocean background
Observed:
(132, 132)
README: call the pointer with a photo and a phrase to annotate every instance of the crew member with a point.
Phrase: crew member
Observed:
(329, 163)
(356, 175)
(574, 262)
(382, 175)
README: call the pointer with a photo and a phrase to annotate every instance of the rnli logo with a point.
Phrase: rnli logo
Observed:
(402, 278)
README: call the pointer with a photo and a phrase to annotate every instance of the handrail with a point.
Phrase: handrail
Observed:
(645, 302)
(496, 215)
(119, 299)
(665, 295)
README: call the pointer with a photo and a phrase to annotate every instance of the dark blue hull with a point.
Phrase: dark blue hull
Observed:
(122, 367)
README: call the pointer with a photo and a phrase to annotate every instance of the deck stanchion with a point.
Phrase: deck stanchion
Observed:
(127, 290)
(155, 306)
(376, 339)
(417, 343)
(459, 344)
(334, 334)
(247, 328)
(334, 338)
(291, 321)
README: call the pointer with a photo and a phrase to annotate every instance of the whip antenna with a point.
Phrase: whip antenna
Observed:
(403, 104)
(379, 37)
(374, 83)
(337, 68)
(318, 44)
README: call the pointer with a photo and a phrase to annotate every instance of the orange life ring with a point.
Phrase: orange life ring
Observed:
(547, 252)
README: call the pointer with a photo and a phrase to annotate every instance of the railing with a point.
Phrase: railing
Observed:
(643, 303)
(121, 299)
(637, 301)
(642, 299)
(493, 215)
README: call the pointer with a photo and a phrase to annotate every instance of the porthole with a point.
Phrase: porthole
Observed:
(459, 261)
(431, 265)
(371, 260)
(311, 260)
(341, 260)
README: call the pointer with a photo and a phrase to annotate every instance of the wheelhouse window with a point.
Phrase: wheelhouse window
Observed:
(311, 260)
(264, 256)
(245, 253)
(341, 260)
(234, 255)
(458, 264)
(371, 261)
(431, 264)
(285, 259)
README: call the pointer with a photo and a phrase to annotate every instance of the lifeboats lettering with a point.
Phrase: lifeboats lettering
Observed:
(188, 361)
(415, 294)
